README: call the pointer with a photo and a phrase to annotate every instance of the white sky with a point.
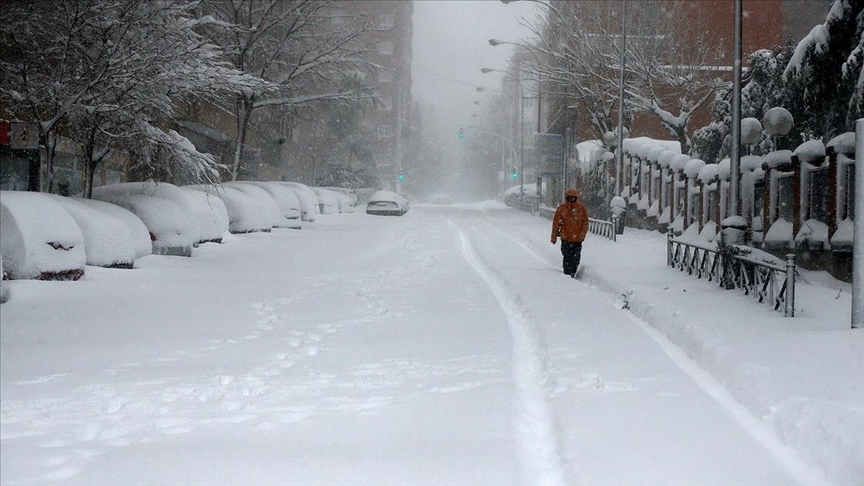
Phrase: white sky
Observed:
(451, 44)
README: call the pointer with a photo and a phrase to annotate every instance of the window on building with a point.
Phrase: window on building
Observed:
(385, 47)
(384, 131)
(387, 21)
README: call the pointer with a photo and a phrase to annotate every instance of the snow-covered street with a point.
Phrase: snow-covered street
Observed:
(441, 347)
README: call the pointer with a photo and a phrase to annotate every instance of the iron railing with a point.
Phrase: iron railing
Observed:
(734, 267)
(607, 229)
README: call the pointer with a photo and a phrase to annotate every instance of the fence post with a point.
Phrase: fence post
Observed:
(614, 227)
(789, 310)
(669, 249)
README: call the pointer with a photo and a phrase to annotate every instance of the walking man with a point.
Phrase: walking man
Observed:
(570, 223)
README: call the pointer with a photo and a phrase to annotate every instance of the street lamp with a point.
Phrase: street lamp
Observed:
(498, 42)
(521, 128)
(619, 154)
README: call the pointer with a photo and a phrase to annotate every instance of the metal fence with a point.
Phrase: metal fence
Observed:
(607, 229)
(733, 267)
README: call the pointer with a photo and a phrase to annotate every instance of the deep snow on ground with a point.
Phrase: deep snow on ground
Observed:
(441, 347)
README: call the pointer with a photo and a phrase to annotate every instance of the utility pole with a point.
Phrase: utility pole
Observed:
(735, 156)
(858, 232)
(619, 154)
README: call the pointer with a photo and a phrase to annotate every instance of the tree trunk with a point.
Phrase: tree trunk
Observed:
(244, 113)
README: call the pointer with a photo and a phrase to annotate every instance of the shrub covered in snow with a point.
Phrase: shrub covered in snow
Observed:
(39, 239)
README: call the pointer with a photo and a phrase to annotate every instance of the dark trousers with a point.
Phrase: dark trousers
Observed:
(572, 252)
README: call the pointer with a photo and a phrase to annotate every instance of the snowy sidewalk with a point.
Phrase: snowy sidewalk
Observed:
(803, 376)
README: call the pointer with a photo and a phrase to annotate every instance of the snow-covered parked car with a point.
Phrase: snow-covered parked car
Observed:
(286, 200)
(138, 232)
(387, 203)
(246, 214)
(328, 203)
(308, 200)
(347, 198)
(268, 204)
(107, 241)
(39, 239)
(162, 208)
(208, 214)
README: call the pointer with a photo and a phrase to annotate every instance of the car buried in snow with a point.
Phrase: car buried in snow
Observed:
(387, 203)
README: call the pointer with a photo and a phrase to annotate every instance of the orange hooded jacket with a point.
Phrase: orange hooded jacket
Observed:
(570, 221)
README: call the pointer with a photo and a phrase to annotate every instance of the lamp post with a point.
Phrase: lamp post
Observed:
(518, 80)
(735, 156)
(498, 42)
(619, 153)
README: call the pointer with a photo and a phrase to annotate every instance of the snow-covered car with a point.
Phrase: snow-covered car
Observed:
(387, 203)
(138, 232)
(286, 200)
(269, 205)
(328, 202)
(39, 239)
(347, 198)
(107, 241)
(208, 214)
(163, 209)
(246, 214)
(307, 198)
(172, 231)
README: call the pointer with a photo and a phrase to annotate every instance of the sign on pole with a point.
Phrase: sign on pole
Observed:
(23, 136)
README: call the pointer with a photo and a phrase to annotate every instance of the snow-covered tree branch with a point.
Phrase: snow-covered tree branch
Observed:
(111, 73)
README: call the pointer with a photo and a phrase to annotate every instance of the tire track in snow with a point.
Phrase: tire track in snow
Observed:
(534, 425)
(787, 457)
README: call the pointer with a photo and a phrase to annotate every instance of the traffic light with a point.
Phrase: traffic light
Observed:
(515, 174)
(401, 176)
(461, 133)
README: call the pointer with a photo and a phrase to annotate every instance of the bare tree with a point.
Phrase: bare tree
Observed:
(307, 48)
(575, 55)
(577, 46)
(672, 70)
